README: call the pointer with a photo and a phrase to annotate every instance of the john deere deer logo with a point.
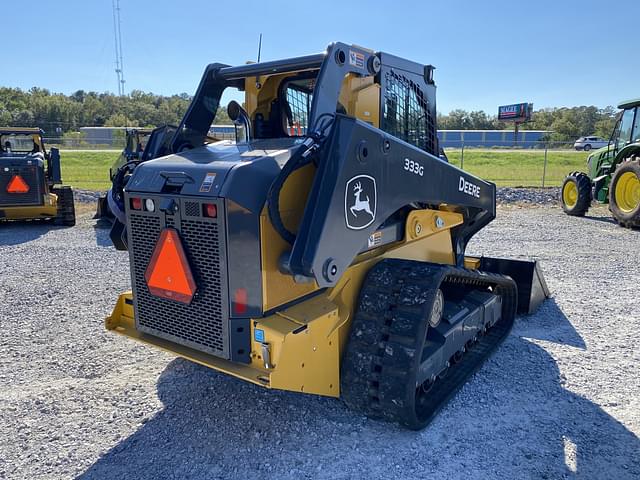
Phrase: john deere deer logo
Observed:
(360, 204)
(360, 199)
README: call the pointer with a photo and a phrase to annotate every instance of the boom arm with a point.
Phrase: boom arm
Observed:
(363, 178)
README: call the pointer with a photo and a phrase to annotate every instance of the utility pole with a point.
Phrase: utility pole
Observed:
(117, 35)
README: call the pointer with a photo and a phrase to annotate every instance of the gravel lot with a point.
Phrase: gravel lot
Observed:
(560, 399)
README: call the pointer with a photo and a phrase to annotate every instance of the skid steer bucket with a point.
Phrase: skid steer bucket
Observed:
(103, 210)
(532, 288)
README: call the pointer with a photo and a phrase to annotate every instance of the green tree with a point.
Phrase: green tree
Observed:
(119, 120)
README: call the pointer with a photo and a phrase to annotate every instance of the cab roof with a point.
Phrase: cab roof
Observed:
(20, 131)
(629, 103)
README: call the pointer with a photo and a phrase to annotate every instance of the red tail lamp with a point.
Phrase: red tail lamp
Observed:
(168, 274)
(240, 300)
(136, 203)
(17, 185)
(210, 210)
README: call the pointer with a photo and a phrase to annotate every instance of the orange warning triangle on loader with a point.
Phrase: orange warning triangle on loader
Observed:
(168, 274)
(17, 185)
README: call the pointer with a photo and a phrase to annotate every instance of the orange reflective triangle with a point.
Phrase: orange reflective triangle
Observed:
(17, 185)
(168, 274)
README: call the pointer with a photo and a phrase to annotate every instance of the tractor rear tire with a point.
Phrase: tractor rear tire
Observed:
(66, 207)
(624, 193)
(575, 194)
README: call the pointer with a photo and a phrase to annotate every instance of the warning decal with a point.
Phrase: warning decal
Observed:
(356, 59)
(374, 239)
(207, 183)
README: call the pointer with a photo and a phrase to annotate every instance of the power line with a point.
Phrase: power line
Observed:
(117, 36)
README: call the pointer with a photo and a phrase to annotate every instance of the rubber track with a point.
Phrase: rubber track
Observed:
(66, 208)
(387, 337)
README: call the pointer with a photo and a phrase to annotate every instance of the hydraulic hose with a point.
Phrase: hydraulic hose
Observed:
(301, 157)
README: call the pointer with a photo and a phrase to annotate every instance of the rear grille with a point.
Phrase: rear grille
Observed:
(30, 176)
(192, 209)
(203, 324)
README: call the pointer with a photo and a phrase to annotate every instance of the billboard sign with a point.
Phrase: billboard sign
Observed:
(517, 112)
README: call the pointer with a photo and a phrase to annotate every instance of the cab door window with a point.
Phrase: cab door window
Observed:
(624, 131)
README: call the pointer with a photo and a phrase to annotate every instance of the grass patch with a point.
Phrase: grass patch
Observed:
(87, 170)
(514, 168)
(507, 168)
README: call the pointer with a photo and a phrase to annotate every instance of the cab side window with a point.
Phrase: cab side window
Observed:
(405, 112)
(299, 103)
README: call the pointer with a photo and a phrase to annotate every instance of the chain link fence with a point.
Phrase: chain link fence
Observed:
(527, 164)
(81, 144)
(540, 164)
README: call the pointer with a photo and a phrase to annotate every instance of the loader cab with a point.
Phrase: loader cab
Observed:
(296, 95)
(400, 102)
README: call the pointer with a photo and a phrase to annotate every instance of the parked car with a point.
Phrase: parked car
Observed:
(587, 143)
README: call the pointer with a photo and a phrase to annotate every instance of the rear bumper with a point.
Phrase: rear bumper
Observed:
(48, 209)
(122, 321)
(302, 344)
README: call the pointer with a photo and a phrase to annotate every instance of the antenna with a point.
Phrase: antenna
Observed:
(258, 84)
(259, 47)
(117, 35)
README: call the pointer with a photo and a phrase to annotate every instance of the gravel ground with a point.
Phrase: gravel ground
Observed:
(560, 398)
(86, 196)
(528, 196)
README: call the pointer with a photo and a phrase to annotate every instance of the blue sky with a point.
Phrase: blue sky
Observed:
(559, 53)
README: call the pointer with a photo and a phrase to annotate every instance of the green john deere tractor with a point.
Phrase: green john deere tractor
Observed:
(614, 173)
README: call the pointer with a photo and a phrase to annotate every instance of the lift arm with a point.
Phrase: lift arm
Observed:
(364, 176)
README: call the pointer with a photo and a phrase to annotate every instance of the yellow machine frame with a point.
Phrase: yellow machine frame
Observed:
(306, 340)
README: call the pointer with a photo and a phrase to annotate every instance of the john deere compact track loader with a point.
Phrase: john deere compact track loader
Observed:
(30, 179)
(324, 250)
(614, 173)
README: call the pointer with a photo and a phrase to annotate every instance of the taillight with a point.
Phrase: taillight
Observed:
(136, 203)
(168, 274)
(210, 210)
(17, 185)
(240, 300)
